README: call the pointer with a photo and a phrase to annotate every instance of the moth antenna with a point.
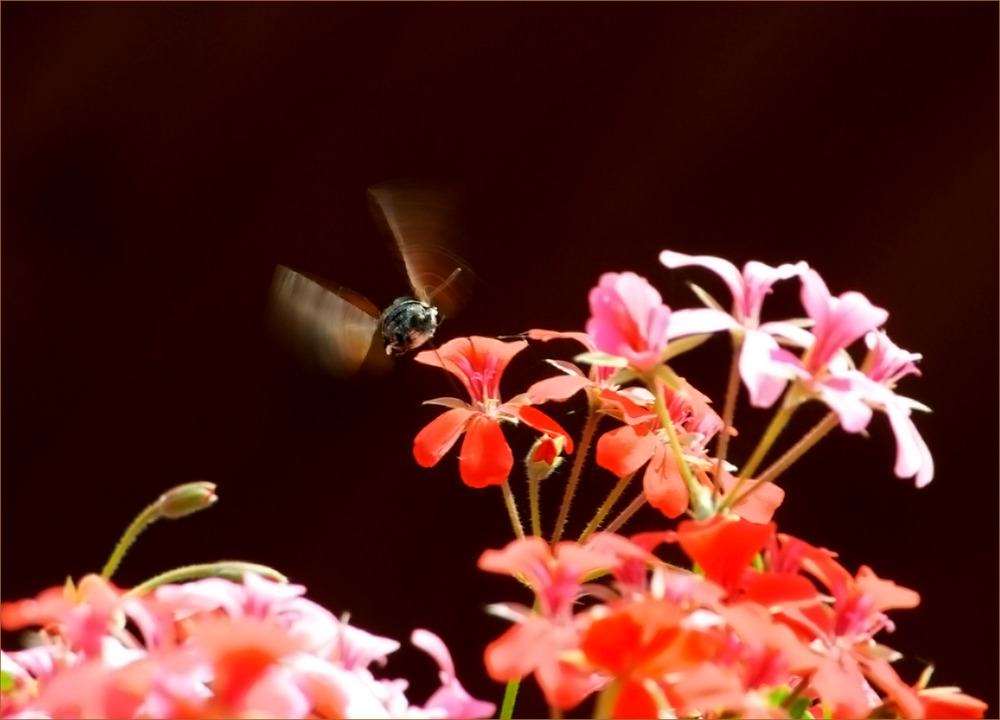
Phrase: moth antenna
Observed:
(448, 281)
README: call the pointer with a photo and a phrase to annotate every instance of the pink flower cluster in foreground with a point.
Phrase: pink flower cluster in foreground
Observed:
(208, 649)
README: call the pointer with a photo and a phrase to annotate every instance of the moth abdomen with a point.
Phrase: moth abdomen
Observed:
(407, 324)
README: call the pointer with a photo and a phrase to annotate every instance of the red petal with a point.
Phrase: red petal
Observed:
(723, 548)
(437, 437)
(773, 588)
(633, 701)
(612, 643)
(485, 458)
(662, 482)
(623, 450)
(540, 421)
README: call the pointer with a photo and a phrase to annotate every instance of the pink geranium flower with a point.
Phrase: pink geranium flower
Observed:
(824, 372)
(749, 288)
(485, 457)
(628, 319)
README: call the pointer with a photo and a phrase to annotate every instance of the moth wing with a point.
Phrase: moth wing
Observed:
(423, 222)
(324, 323)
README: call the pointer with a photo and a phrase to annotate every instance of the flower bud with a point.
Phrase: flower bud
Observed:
(544, 457)
(186, 499)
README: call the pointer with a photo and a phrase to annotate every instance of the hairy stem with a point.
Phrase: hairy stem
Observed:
(602, 512)
(589, 426)
(815, 434)
(728, 413)
(625, 515)
(515, 519)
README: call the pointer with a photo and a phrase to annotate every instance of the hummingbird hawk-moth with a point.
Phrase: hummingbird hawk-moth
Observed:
(336, 328)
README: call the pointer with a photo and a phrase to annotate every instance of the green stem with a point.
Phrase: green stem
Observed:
(536, 515)
(728, 412)
(231, 569)
(602, 512)
(143, 520)
(515, 519)
(625, 515)
(695, 490)
(574, 477)
(774, 428)
(815, 434)
(606, 700)
(509, 698)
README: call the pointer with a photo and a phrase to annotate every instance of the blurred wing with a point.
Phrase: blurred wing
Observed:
(324, 323)
(422, 221)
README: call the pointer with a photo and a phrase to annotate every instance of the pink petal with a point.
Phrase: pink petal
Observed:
(486, 458)
(723, 268)
(698, 320)
(527, 558)
(913, 457)
(451, 697)
(558, 388)
(437, 437)
(757, 369)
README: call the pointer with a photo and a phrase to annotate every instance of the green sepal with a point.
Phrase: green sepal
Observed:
(707, 299)
(683, 345)
(600, 358)
(664, 373)
(6, 681)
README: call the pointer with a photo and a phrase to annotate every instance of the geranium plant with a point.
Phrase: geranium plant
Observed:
(754, 622)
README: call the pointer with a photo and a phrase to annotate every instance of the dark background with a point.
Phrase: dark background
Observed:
(159, 160)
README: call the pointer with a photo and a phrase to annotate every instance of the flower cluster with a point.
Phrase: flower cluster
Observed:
(732, 640)
(756, 623)
(209, 648)
(762, 624)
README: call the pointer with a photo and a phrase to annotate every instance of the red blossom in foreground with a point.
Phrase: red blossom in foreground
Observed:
(209, 649)
(485, 457)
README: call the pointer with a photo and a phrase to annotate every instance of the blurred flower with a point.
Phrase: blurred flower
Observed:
(224, 649)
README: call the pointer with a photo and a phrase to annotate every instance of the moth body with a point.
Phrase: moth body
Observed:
(407, 324)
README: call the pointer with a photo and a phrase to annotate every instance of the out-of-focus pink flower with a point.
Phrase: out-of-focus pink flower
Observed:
(628, 319)
(485, 457)
(539, 641)
(225, 650)
(451, 698)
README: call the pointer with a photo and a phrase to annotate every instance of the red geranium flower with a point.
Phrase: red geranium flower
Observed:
(486, 458)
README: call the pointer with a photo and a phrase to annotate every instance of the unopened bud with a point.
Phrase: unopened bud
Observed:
(186, 499)
(544, 457)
